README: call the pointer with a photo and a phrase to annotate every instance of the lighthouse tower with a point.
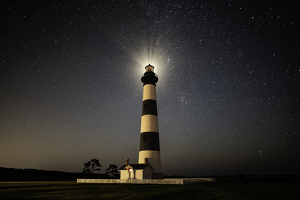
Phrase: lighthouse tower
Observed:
(149, 137)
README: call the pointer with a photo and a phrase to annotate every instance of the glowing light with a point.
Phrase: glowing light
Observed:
(157, 58)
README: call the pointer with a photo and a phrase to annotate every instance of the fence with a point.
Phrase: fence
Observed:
(149, 181)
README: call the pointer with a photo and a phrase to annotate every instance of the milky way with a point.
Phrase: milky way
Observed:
(227, 94)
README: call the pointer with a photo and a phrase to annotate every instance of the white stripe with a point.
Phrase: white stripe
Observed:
(149, 123)
(149, 92)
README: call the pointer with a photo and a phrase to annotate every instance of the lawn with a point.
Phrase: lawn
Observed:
(217, 190)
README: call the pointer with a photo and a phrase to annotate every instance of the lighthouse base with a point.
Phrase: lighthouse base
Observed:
(153, 159)
(157, 175)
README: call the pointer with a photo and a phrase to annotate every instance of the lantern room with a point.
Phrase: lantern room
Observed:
(149, 68)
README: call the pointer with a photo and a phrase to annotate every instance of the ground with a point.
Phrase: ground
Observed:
(222, 190)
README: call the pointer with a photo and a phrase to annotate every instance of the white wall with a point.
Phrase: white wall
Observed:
(123, 174)
(139, 174)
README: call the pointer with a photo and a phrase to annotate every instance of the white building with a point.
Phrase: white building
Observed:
(136, 171)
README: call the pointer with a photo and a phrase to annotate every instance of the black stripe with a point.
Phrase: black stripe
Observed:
(149, 141)
(149, 107)
(149, 78)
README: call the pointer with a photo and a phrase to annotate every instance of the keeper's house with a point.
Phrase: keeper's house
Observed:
(136, 171)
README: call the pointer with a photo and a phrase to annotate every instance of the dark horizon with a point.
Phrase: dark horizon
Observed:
(23, 173)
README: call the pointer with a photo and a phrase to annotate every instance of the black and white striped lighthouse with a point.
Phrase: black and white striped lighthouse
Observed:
(149, 137)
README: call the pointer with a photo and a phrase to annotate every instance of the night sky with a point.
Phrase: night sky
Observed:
(228, 91)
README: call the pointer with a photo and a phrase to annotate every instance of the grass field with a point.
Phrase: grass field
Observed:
(221, 190)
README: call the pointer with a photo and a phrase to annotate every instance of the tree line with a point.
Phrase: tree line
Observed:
(94, 165)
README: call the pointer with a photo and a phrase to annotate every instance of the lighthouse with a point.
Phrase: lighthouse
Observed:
(149, 166)
(149, 134)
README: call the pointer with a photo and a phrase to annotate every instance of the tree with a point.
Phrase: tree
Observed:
(112, 171)
(91, 166)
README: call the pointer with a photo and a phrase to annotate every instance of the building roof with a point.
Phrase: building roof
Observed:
(136, 166)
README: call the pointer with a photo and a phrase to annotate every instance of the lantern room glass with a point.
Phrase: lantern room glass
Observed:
(149, 68)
